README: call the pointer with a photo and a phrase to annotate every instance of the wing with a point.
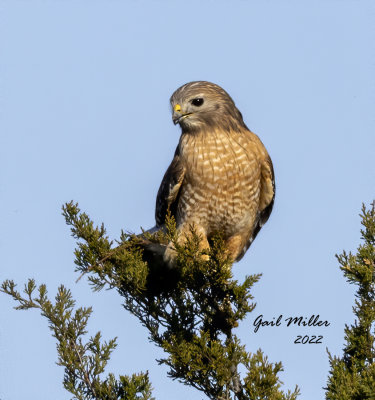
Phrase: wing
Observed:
(167, 197)
(267, 197)
(267, 192)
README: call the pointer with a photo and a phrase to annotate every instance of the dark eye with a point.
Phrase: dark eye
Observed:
(197, 102)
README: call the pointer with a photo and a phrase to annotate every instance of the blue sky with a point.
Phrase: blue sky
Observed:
(84, 115)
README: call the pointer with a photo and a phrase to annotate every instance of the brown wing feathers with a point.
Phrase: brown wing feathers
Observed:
(168, 190)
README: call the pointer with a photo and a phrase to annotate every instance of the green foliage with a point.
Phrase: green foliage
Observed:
(352, 377)
(262, 382)
(84, 362)
(189, 311)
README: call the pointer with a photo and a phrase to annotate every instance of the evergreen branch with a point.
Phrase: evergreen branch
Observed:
(352, 376)
(84, 363)
(189, 311)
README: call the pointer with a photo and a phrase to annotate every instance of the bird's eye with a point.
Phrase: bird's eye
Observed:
(197, 102)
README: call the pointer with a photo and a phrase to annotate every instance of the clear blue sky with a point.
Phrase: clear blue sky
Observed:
(84, 115)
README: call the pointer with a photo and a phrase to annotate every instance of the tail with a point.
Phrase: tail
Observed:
(161, 278)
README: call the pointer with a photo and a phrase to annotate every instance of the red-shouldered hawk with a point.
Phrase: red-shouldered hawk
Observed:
(221, 177)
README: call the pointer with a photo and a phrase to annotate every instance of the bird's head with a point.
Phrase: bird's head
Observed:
(201, 105)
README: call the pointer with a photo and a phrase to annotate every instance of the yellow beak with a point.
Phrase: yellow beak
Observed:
(177, 108)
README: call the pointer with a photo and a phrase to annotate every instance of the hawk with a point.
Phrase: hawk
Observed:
(221, 177)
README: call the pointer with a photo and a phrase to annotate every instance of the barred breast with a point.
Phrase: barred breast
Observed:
(221, 188)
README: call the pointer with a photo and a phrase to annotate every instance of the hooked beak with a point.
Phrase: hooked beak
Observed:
(177, 118)
(178, 114)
